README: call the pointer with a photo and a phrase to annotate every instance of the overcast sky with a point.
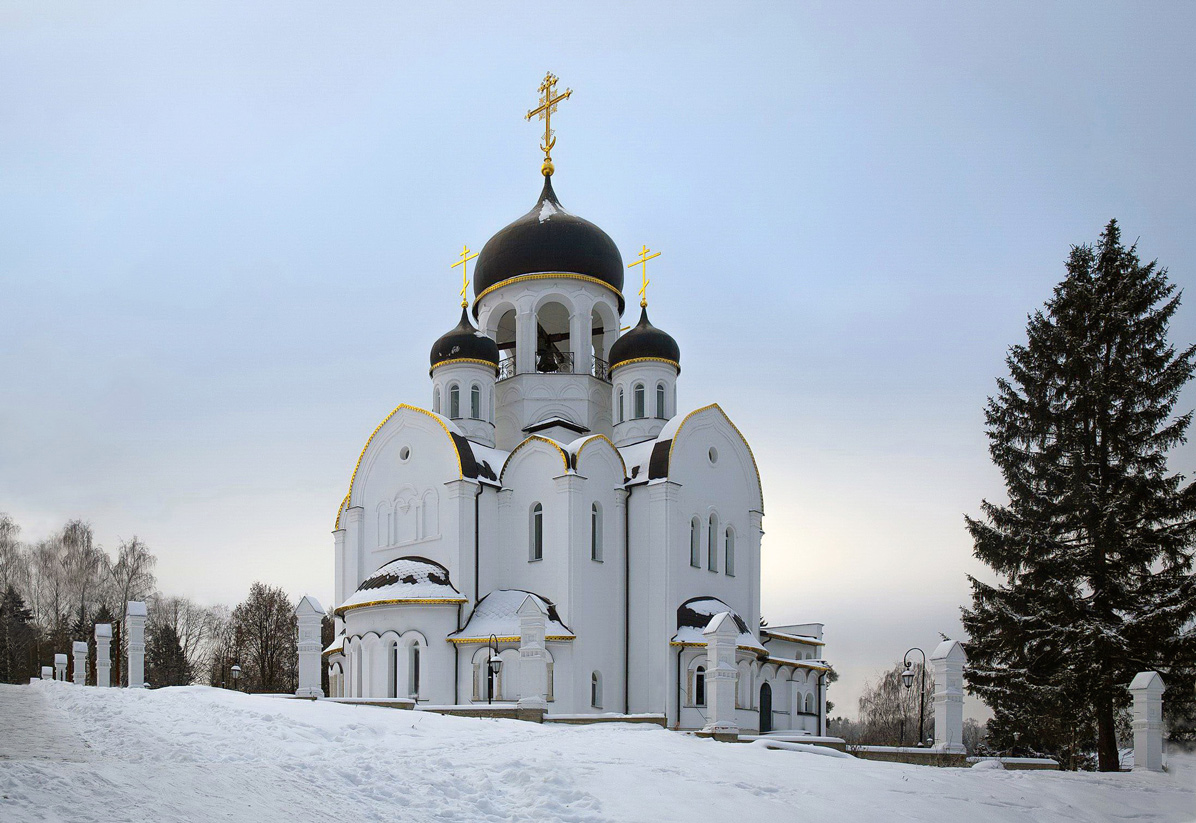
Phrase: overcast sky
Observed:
(226, 230)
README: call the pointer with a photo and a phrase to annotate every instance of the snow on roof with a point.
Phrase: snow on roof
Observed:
(405, 580)
(817, 665)
(636, 456)
(793, 638)
(312, 604)
(694, 615)
(337, 646)
(498, 614)
(489, 461)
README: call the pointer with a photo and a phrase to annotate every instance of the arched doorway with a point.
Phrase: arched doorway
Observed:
(765, 708)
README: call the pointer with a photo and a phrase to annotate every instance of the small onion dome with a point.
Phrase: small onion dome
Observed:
(549, 239)
(645, 342)
(464, 343)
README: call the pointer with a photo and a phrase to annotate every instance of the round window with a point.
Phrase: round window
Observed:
(713, 455)
(404, 453)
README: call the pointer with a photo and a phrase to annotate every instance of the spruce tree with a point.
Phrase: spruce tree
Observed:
(16, 638)
(165, 662)
(1093, 552)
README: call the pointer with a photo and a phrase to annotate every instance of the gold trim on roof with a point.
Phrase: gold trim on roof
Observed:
(719, 409)
(528, 439)
(486, 639)
(401, 600)
(546, 275)
(789, 638)
(590, 440)
(457, 360)
(622, 363)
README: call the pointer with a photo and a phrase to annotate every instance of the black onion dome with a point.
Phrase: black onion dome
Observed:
(645, 340)
(464, 343)
(549, 239)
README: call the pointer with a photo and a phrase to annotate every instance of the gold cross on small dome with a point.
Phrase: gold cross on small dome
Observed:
(643, 263)
(466, 256)
(548, 103)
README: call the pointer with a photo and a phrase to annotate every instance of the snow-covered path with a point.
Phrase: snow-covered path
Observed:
(195, 754)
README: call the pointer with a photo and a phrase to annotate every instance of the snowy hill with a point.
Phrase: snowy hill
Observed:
(200, 754)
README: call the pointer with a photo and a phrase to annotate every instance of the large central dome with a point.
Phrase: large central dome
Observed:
(549, 239)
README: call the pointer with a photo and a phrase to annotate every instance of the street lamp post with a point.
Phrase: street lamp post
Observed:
(907, 677)
(236, 672)
(493, 667)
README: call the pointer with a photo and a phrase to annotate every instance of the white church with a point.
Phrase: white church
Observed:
(554, 463)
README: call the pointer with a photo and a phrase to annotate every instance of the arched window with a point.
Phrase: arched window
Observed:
(413, 671)
(454, 401)
(475, 402)
(729, 565)
(695, 544)
(393, 665)
(596, 690)
(537, 532)
(712, 544)
(660, 401)
(595, 532)
(809, 704)
(638, 411)
(700, 686)
(436, 399)
(619, 406)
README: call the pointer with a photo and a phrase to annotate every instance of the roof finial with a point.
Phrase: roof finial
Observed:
(548, 103)
(466, 256)
(643, 262)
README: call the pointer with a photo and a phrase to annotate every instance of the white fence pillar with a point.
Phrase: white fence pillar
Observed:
(309, 615)
(79, 647)
(1147, 689)
(60, 667)
(47, 672)
(721, 634)
(135, 634)
(103, 654)
(948, 659)
(533, 659)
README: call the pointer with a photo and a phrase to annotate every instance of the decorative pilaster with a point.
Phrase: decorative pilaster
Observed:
(135, 625)
(103, 655)
(533, 659)
(1147, 690)
(79, 647)
(309, 615)
(721, 674)
(948, 659)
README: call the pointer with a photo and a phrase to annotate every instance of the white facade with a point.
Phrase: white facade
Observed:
(615, 517)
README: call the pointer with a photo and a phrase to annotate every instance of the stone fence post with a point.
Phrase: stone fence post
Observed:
(533, 659)
(60, 667)
(79, 647)
(47, 672)
(948, 659)
(103, 654)
(721, 674)
(309, 614)
(135, 624)
(1147, 689)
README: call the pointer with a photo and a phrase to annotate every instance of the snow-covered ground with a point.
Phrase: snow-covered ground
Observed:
(200, 754)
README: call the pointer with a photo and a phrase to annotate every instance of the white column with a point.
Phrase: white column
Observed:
(533, 660)
(1147, 690)
(948, 659)
(103, 654)
(309, 615)
(60, 667)
(79, 648)
(135, 633)
(721, 634)
(525, 341)
(47, 672)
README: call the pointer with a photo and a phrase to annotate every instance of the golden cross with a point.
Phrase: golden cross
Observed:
(466, 256)
(548, 103)
(643, 262)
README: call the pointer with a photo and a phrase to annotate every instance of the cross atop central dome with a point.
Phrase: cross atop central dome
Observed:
(548, 240)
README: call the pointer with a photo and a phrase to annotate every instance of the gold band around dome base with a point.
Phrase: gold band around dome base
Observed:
(399, 601)
(633, 360)
(456, 361)
(547, 275)
(515, 639)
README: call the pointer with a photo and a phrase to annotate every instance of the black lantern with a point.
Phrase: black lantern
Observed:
(493, 667)
(907, 677)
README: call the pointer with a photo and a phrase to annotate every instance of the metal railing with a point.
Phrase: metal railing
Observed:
(549, 361)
